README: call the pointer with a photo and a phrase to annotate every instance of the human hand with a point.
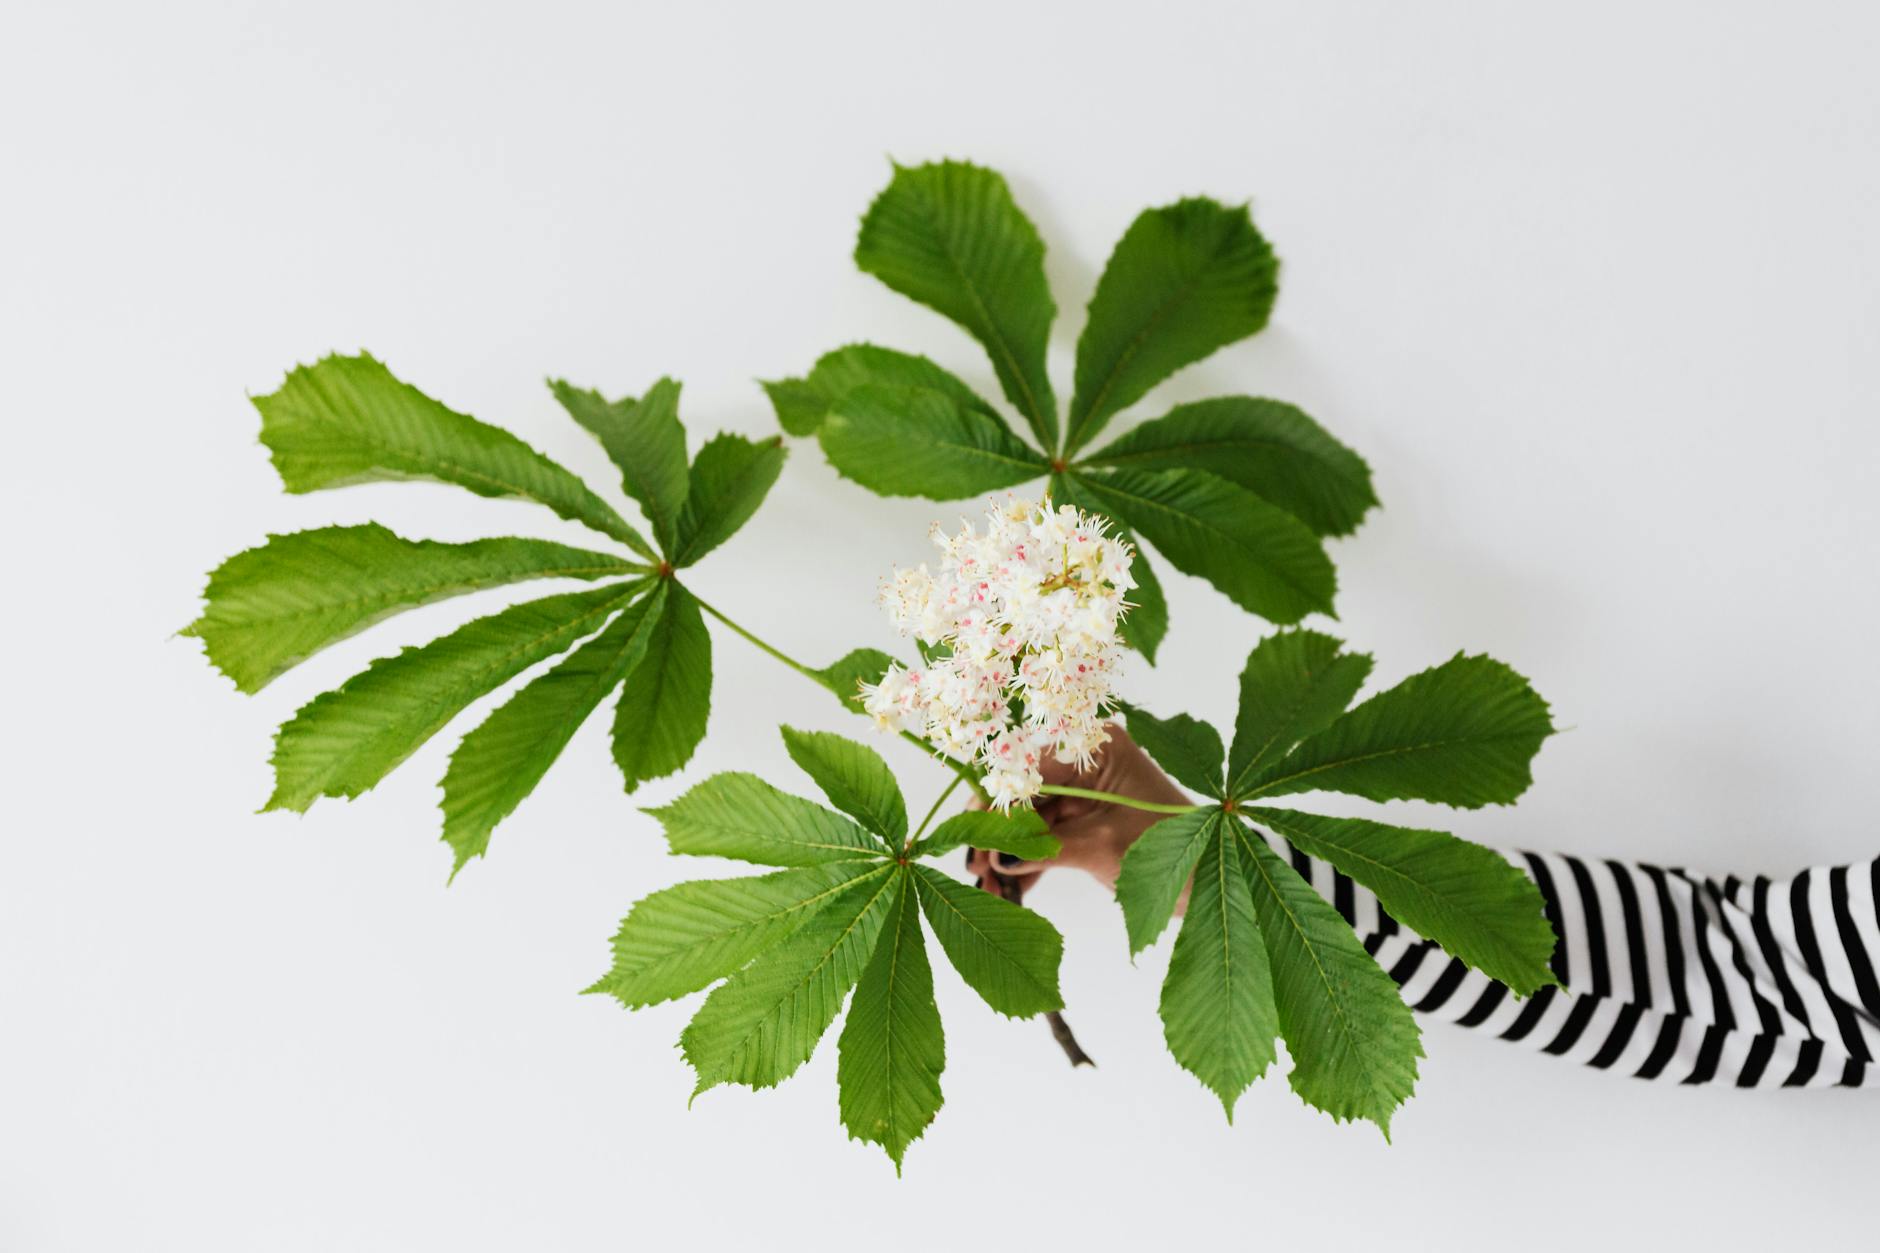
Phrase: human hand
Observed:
(1094, 834)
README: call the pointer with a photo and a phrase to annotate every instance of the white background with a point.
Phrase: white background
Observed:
(1593, 288)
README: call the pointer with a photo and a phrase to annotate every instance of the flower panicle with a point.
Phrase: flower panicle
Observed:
(1019, 623)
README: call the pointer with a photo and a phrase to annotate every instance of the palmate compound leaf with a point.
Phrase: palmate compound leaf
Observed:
(740, 816)
(1185, 279)
(1006, 953)
(905, 441)
(729, 479)
(1267, 446)
(791, 945)
(1264, 559)
(1462, 733)
(803, 403)
(1146, 623)
(347, 420)
(272, 607)
(343, 742)
(646, 443)
(499, 763)
(763, 1023)
(666, 698)
(1354, 1043)
(1465, 897)
(854, 778)
(1217, 1001)
(950, 236)
(1186, 747)
(892, 1048)
(1295, 683)
(1155, 873)
(691, 935)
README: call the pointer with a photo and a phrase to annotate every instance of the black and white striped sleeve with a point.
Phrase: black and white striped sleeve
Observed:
(1667, 975)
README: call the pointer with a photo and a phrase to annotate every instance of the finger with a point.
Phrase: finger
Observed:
(1057, 772)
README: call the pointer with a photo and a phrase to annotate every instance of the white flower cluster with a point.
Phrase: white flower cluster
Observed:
(1020, 623)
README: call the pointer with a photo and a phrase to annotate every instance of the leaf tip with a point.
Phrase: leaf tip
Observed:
(463, 858)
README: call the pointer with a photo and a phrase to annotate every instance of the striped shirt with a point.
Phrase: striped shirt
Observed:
(1666, 975)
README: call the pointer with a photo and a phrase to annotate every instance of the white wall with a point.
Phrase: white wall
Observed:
(1592, 287)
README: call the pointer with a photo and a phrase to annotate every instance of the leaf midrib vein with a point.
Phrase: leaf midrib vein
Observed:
(686, 947)
(403, 593)
(1305, 941)
(1033, 411)
(1275, 570)
(1314, 680)
(828, 954)
(1181, 296)
(1266, 788)
(986, 940)
(474, 678)
(584, 500)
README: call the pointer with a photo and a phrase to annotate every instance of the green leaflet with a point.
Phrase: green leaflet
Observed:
(739, 815)
(1185, 280)
(645, 441)
(903, 441)
(348, 420)
(1262, 557)
(666, 699)
(801, 404)
(1155, 872)
(1467, 898)
(1236, 491)
(854, 778)
(690, 935)
(343, 742)
(1021, 833)
(1267, 446)
(1006, 953)
(270, 608)
(763, 1022)
(1146, 624)
(846, 675)
(1462, 733)
(1353, 1041)
(892, 1048)
(730, 478)
(1453, 733)
(950, 236)
(499, 763)
(1186, 747)
(1294, 684)
(1217, 1001)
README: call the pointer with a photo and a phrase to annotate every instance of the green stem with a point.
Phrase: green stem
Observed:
(939, 801)
(778, 653)
(959, 768)
(1154, 807)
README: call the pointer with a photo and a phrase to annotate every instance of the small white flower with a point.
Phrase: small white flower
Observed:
(1021, 622)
